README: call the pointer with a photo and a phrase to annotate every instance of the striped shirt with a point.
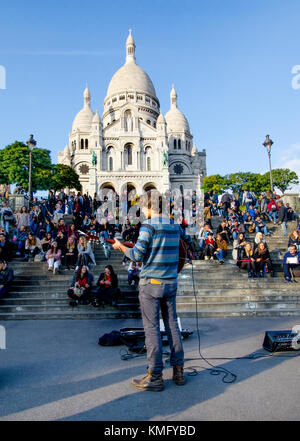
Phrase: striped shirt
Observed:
(157, 247)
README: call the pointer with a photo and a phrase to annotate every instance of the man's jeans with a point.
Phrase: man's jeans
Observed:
(284, 229)
(263, 230)
(153, 298)
(287, 269)
(221, 254)
(273, 216)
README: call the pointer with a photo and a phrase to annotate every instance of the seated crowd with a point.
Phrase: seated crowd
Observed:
(41, 234)
(237, 226)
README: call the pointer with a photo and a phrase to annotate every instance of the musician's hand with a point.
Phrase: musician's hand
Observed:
(116, 245)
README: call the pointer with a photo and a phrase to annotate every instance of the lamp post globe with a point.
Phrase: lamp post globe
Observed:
(268, 145)
(31, 143)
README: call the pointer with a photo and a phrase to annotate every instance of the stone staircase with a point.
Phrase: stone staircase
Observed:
(216, 290)
(38, 294)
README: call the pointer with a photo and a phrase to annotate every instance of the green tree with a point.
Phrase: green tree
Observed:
(283, 179)
(214, 183)
(64, 176)
(14, 166)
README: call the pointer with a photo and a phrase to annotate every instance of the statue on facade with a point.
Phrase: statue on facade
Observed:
(165, 158)
(94, 159)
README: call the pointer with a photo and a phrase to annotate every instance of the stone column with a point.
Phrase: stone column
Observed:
(93, 181)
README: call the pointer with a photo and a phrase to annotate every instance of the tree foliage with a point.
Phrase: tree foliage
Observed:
(14, 166)
(14, 169)
(64, 176)
(214, 183)
(283, 179)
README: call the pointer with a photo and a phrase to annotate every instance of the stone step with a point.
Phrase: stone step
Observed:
(78, 313)
(234, 281)
(201, 297)
(288, 312)
(52, 307)
(56, 305)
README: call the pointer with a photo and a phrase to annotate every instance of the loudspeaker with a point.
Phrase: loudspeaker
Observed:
(281, 341)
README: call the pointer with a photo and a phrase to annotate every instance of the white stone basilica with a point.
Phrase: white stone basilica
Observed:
(134, 146)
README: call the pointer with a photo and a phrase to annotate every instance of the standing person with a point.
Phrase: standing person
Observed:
(282, 217)
(157, 248)
(7, 216)
(22, 218)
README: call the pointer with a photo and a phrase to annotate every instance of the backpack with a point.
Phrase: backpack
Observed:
(111, 339)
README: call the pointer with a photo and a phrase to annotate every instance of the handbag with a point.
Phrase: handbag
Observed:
(78, 291)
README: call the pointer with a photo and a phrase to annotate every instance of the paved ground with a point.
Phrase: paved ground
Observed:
(55, 370)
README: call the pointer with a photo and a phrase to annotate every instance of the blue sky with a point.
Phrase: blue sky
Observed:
(230, 61)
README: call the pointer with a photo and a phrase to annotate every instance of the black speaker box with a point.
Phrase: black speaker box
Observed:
(281, 341)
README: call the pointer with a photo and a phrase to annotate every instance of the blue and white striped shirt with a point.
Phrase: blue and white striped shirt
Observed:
(157, 248)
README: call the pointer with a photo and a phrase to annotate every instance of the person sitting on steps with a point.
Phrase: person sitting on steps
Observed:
(221, 249)
(53, 257)
(291, 261)
(246, 259)
(108, 290)
(294, 239)
(80, 290)
(32, 247)
(133, 273)
(263, 260)
(210, 247)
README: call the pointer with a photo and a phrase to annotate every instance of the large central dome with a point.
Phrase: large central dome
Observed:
(130, 77)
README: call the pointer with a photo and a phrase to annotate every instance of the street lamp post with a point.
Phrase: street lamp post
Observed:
(31, 143)
(268, 144)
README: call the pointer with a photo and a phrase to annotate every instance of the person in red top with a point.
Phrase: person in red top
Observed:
(210, 247)
(272, 210)
(81, 286)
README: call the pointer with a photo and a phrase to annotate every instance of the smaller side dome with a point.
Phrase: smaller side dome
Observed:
(84, 117)
(194, 150)
(161, 119)
(96, 118)
(176, 121)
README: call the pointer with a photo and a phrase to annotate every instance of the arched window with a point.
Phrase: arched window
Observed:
(175, 144)
(82, 144)
(128, 150)
(148, 164)
(179, 143)
(86, 143)
(111, 163)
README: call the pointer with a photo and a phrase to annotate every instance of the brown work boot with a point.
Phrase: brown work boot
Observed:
(178, 375)
(152, 381)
